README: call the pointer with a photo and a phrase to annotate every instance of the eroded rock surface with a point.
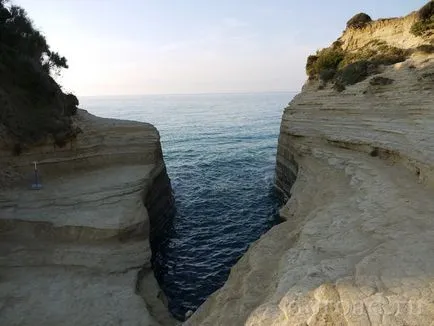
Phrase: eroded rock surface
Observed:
(70, 253)
(356, 247)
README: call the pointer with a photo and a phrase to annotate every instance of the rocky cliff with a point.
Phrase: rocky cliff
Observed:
(77, 251)
(357, 166)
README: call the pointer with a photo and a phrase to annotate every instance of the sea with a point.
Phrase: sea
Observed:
(220, 152)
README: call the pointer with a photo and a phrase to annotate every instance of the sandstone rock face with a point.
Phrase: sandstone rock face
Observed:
(77, 252)
(356, 245)
(394, 31)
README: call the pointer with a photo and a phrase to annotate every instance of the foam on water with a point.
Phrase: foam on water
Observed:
(220, 155)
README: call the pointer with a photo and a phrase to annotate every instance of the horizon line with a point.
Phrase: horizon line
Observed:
(189, 94)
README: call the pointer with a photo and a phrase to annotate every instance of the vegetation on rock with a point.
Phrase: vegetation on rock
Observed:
(327, 74)
(345, 67)
(339, 87)
(377, 52)
(348, 68)
(426, 48)
(32, 104)
(380, 81)
(425, 25)
(427, 11)
(326, 59)
(359, 21)
(355, 72)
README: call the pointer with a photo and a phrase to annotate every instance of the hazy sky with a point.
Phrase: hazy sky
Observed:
(117, 47)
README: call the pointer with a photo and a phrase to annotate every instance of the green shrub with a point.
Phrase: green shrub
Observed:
(377, 52)
(326, 60)
(339, 87)
(389, 58)
(380, 81)
(422, 27)
(359, 21)
(427, 11)
(426, 48)
(425, 25)
(310, 66)
(327, 74)
(427, 76)
(352, 67)
(329, 59)
(361, 55)
(337, 45)
(354, 73)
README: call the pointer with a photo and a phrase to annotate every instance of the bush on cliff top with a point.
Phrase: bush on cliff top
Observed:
(359, 21)
(376, 51)
(427, 11)
(425, 25)
(326, 59)
(32, 104)
(348, 68)
(327, 74)
(354, 73)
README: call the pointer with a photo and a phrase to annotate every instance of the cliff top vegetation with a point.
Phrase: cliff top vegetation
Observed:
(347, 67)
(32, 104)
(425, 25)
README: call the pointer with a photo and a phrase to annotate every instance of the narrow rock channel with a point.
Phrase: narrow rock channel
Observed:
(222, 176)
(220, 155)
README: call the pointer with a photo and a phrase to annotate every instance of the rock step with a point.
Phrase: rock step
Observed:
(107, 256)
(92, 205)
(66, 295)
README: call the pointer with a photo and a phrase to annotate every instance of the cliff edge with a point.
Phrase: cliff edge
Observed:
(356, 160)
(77, 251)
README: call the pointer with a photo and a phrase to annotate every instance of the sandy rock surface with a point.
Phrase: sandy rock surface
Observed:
(70, 253)
(357, 244)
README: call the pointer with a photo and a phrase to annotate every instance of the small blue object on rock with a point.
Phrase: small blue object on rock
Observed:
(36, 185)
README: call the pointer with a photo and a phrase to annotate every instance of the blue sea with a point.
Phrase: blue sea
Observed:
(220, 154)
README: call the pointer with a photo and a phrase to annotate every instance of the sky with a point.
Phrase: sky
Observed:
(135, 47)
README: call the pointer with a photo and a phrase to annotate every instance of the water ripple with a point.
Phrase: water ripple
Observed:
(220, 154)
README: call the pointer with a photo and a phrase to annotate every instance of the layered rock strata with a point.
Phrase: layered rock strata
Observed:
(356, 246)
(77, 251)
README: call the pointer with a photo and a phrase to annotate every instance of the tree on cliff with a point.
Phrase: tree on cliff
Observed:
(32, 104)
(18, 36)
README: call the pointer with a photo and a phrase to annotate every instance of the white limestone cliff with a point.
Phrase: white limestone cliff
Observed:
(357, 242)
(77, 252)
